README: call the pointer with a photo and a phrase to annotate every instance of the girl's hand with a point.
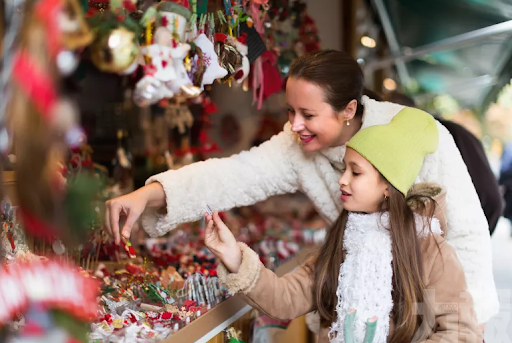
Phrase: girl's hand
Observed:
(221, 242)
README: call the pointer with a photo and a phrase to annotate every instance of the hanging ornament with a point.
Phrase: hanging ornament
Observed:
(178, 54)
(76, 33)
(213, 70)
(160, 56)
(229, 57)
(67, 62)
(242, 69)
(272, 80)
(253, 40)
(197, 67)
(180, 117)
(58, 247)
(166, 65)
(175, 16)
(309, 34)
(115, 51)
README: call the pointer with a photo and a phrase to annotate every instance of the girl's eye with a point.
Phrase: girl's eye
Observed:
(356, 174)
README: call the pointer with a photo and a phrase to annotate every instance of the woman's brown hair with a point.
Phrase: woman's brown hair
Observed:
(336, 72)
(407, 266)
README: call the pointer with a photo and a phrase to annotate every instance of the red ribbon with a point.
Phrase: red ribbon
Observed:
(36, 83)
(48, 12)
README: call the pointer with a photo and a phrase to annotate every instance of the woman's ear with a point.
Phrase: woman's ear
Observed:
(350, 110)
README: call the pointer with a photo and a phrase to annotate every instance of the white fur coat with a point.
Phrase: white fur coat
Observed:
(279, 166)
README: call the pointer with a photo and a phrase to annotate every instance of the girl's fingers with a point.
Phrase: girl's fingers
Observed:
(217, 220)
(209, 225)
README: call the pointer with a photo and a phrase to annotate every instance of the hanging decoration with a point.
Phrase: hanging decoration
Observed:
(115, 47)
(184, 47)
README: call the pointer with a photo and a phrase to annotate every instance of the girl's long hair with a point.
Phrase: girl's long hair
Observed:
(407, 264)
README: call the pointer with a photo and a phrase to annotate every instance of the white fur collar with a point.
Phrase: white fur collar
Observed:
(365, 278)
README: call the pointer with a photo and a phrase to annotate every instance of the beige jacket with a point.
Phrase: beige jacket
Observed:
(290, 296)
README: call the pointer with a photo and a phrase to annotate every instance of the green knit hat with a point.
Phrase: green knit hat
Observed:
(397, 149)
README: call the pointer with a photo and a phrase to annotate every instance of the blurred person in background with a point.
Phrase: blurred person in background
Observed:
(474, 157)
(506, 181)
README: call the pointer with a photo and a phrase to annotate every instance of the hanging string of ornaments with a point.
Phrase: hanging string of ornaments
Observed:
(179, 47)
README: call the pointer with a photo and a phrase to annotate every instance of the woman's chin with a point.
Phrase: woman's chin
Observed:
(311, 146)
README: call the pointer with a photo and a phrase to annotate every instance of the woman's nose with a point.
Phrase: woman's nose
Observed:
(297, 124)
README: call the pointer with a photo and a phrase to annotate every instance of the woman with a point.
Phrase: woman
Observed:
(326, 108)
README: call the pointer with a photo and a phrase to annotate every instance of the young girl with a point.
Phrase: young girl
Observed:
(385, 257)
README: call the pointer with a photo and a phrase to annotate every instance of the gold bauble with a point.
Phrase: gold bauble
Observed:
(115, 51)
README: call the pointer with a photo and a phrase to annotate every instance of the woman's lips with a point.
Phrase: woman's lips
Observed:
(306, 138)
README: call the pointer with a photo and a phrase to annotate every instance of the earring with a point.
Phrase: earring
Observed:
(385, 197)
(348, 123)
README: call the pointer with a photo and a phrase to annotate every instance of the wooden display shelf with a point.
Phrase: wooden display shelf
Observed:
(206, 327)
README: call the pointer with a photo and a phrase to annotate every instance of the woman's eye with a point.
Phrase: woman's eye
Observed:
(308, 116)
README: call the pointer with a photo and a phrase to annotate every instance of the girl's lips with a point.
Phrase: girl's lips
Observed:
(345, 195)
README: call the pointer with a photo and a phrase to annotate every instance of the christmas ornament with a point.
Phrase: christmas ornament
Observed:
(197, 66)
(242, 70)
(37, 282)
(67, 62)
(255, 44)
(115, 51)
(76, 33)
(161, 66)
(229, 57)
(167, 65)
(128, 248)
(178, 55)
(148, 91)
(179, 116)
(309, 34)
(175, 16)
(213, 70)
(58, 247)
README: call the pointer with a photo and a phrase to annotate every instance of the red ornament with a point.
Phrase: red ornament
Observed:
(166, 315)
(129, 5)
(129, 249)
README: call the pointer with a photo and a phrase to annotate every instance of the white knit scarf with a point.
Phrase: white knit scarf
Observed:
(365, 278)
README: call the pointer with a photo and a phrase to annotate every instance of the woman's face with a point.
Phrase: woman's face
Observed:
(318, 125)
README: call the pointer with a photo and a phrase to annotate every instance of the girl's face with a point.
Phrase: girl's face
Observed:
(316, 123)
(362, 187)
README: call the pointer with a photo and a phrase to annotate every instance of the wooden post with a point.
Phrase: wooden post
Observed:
(379, 74)
(349, 26)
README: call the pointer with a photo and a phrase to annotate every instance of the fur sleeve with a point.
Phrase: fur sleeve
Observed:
(239, 180)
(467, 229)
